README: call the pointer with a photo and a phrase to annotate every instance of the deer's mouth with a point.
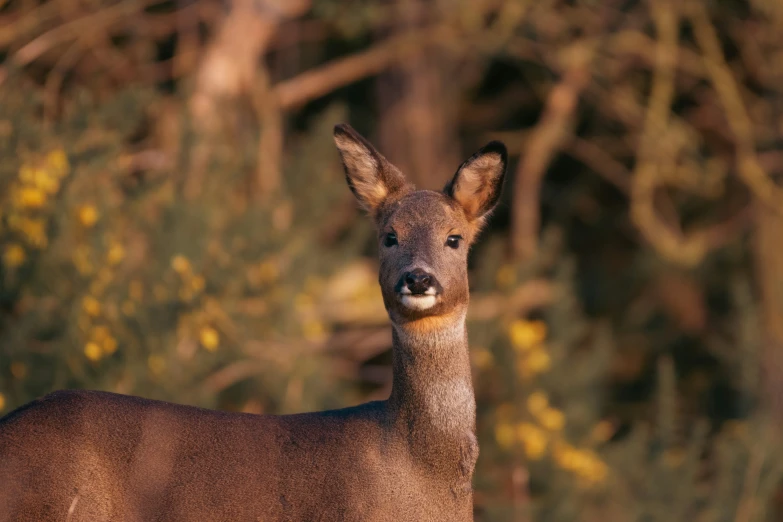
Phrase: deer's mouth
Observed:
(418, 301)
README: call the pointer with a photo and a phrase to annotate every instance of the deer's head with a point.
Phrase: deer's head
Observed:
(423, 236)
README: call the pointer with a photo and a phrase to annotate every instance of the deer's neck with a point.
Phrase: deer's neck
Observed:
(432, 390)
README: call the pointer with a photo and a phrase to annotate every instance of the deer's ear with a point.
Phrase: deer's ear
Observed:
(479, 180)
(370, 176)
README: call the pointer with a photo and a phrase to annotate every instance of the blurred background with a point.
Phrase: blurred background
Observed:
(175, 224)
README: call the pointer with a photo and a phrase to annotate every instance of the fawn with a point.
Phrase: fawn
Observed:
(95, 456)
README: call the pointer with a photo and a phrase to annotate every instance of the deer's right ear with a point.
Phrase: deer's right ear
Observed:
(479, 180)
(370, 176)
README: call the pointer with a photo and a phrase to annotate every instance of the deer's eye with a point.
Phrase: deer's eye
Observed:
(453, 241)
(390, 239)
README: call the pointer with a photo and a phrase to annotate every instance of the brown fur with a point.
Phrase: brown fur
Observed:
(81, 456)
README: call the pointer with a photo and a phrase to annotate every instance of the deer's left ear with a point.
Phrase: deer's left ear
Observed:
(479, 180)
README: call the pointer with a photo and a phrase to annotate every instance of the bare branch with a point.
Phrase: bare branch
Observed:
(324, 79)
(603, 164)
(73, 29)
(750, 170)
(547, 137)
(270, 141)
(647, 179)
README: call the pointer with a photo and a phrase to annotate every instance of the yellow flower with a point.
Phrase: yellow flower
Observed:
(506, 276)
(29, 197)
(314, 331)
(88, 215)
(533, 439)
(591, 468)
(48, 184)
(482, 358)
(197, 283)
(180, 264)
(156, 364)
(92, 351)
(736, 429)
(116, 254)
(303, 302)
(91, 306)
(2, 402)
(34, 231)
(109, 345)
(598, 472)
(563, 453)
(99, 333)
(27, 174)
(102, 336)
(552, 419)
(537, 402)
(57, 161)
(314, 285)
(128, 308)
(81, 257)
(602, 431)
(209, 338)
(583, 463)
(14, 255)
(267, 272)
(504, 435)
(527, 334)
(18, 370)
(673, 457)
(539, 361)
(136, 290)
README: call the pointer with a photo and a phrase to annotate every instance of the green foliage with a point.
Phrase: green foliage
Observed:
(140, 290)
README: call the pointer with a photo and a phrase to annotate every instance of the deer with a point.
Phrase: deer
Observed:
(79, 456)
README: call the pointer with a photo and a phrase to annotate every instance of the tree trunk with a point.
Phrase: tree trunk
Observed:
(417, 128)
(230, 69)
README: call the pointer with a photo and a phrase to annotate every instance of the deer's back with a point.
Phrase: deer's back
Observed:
(104, 456)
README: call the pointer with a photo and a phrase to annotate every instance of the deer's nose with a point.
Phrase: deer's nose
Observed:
(418, 281)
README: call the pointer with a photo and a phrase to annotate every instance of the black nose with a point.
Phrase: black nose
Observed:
(418, 281)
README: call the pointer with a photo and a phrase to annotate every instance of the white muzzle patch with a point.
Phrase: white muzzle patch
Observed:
(418, 301)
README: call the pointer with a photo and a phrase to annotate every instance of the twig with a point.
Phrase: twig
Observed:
(601, 163)
(28, 23)
(148, 160)
(162, 25)
(55, 79)
(748, 501)
(654, 160)
(640, 46)
(270, 140)
(309, 31)
(533, 294)
(232, 374)
(646, 180)
(720, 234)
(750, 170)
(63, 33)
(324, 79)
(186, 21)
(550, 132)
